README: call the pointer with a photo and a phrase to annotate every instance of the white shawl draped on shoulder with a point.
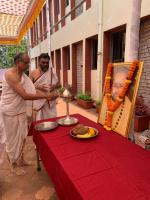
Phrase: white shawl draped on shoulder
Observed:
(30, 88)
(47, 108)
(13, 119)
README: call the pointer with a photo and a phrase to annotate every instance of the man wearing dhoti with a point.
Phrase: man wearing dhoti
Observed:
(2, 139)
(45, 79)
(16, 89)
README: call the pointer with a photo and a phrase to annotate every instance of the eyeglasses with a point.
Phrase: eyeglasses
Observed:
(25, 62)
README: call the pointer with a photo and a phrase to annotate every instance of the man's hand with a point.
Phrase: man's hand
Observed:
(43, 87)
(54, 86)
(52, 96)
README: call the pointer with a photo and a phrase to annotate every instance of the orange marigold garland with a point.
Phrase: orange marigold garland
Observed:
(112, 105)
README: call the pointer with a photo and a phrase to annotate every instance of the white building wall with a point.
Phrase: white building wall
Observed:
(52, 14)
(145, 10)
(38, 24)
(61, 71)
(68, 19)
(59, 25)
(94, 84)
(32, 64)
(69, 77)
(83, 78)
(84, 26)
(116, 12)
(40, 48)
(61, 77)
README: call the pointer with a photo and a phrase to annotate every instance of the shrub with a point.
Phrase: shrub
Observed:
(84, 96)
(61, 90)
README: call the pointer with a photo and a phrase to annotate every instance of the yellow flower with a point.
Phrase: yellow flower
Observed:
(119, 99)
(128, 81)
(108, 94)
(110, 112)
(91, 131)
(108, 77)
(107, 128)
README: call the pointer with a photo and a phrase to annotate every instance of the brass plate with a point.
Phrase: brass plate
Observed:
(85, 136)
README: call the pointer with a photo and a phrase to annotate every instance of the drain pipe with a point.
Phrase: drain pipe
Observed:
(132, 32)
(132, 45)
(48, 31)
(100, 51)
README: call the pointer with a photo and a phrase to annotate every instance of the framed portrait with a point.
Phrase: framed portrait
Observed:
(121, 115)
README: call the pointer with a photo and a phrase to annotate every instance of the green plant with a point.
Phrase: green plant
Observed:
(84, 96)
(61, 90)
(7, 52)
(98, 102)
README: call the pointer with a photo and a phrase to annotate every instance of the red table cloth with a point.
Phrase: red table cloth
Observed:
(107, 167)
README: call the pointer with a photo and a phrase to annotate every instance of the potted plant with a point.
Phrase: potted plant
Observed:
(142, 117)
(61, 90)
(84, 100)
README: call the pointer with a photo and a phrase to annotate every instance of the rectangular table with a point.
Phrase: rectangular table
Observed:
(107, 167)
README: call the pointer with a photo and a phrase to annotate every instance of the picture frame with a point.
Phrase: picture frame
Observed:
(122, 117)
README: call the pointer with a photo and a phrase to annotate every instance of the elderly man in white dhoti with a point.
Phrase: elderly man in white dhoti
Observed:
(2, 139)
(16, 89)
(45, 79)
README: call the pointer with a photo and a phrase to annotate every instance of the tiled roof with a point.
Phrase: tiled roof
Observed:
(9, 25)
(16, 17)
(11, 15)
(14, 7)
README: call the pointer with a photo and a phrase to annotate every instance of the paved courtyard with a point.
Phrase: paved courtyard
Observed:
(35, 185)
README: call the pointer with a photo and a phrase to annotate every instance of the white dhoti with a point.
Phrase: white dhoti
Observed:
(16, 130)
(14, 118)
(47, 108)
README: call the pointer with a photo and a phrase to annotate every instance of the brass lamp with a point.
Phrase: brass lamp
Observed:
(66, 121)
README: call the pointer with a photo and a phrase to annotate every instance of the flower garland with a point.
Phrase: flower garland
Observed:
(112, 105)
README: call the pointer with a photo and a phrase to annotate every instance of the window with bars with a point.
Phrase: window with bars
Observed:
(58, 7)
(79, 10)
(68, 58)
(66, 3)
(44, 22)
(118, 46)
(94, 50)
